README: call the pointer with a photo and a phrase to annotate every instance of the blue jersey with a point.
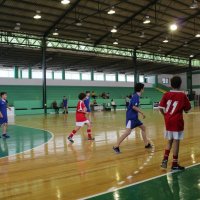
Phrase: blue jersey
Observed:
(132, 114)
(3, 110)
(64, 102)
(87, 103)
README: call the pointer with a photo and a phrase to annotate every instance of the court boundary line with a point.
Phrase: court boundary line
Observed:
(136, 183)
(52, 137)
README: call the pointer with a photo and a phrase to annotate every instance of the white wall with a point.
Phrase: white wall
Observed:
(37, 82)
(150, 79)
(196, 81)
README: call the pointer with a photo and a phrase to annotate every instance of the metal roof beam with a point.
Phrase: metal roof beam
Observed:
(61, 18)
(126, 21)
(163, 32)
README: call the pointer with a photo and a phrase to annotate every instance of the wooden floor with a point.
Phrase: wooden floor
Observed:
(61, 171)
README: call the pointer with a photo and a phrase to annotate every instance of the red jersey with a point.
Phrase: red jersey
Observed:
(174, 103)
(80, 116)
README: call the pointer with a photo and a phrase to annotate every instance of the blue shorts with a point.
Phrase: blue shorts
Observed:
(3, 120)
(133, 123)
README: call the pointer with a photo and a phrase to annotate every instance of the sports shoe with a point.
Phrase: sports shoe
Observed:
(5, 136)
(116, 149)
(70, 139)
(148, 146)
(164, 164)
(91, 138)
(177, 168)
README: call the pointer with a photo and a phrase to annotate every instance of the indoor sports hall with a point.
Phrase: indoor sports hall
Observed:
(54, 54)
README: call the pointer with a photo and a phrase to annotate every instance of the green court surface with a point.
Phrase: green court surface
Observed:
(22, 139)
(173, 186)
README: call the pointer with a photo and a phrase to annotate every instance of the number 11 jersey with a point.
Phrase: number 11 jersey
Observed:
(174, 103)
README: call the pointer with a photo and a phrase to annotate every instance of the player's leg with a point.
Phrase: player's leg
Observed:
(166, 153)
(121, 139)
(144, 136)
(4, 130)
(71, 135)
(89, 131)
(175, 165)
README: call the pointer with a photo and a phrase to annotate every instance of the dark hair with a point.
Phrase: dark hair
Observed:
(138, 87)
(87, 92)
(176, 82)
(81, 96)
(64, 96)
(2, 93)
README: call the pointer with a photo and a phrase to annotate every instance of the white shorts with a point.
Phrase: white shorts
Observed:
(82, 123)
(172, 135)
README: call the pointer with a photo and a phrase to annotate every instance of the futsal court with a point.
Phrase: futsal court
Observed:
(76, 76)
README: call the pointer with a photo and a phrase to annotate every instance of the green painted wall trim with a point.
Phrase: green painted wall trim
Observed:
(29, 73)
(63, 74)
(117, 77)
(52, 75)
(16, 72)
(196, 86)
(92, 75)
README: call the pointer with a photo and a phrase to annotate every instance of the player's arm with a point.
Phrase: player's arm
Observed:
(1, 116)
(138, 110)
(162, 105)
(187, 104)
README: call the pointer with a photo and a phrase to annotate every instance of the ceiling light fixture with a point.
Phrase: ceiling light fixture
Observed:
(116, 42)
(166, 40)
(65, 2)
(18, 26)
(194, 5)
(114, 29)
(147, 20)
(55, 33)
(191, 56)
(197, 35)
(78, 22)
(173, 27)
(111, 11)
(37, 15)
(142, 35)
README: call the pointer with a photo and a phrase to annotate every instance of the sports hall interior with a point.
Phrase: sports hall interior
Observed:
(55, 48)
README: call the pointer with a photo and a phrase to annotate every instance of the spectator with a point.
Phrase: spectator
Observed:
(108, 95)
(93, 95)
(55, 107)
(113, 104)
(103, 95)
(95, 102)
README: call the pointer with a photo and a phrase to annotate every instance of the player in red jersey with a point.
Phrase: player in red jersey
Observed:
(81, 119)
(172, 106)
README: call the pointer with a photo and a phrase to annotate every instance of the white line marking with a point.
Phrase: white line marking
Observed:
(52, 137)
(146, 180)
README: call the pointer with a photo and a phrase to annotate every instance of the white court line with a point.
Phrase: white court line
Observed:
(143, 181)
(52, 137)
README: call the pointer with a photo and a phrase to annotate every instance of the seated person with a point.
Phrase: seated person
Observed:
(93, 95)
(108, 95)
(55, 107)
(103, 95)
(113, 104)
(95, 102)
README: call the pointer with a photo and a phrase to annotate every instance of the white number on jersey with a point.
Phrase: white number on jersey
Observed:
(169, 102)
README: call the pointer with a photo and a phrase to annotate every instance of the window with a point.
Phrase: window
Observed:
(141, 78)
(57, 74)
(7, 72)
(86, 76)
(37, 74)
(122, 77)
(130, 78)
(72, 75)
(99, 76)
(165, 80)
(110, 77)
(49, 74)
(24, 73)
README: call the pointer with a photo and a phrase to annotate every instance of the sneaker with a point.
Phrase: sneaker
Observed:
(164, 164)
(91, 138)
(177, 168)
(148, 146)
(70, 139)
(116, 149)
(5, 136)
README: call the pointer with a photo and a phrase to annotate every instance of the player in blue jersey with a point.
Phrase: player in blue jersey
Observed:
(3, 115)
(132, 120)
(65, 105)
(87, 104)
